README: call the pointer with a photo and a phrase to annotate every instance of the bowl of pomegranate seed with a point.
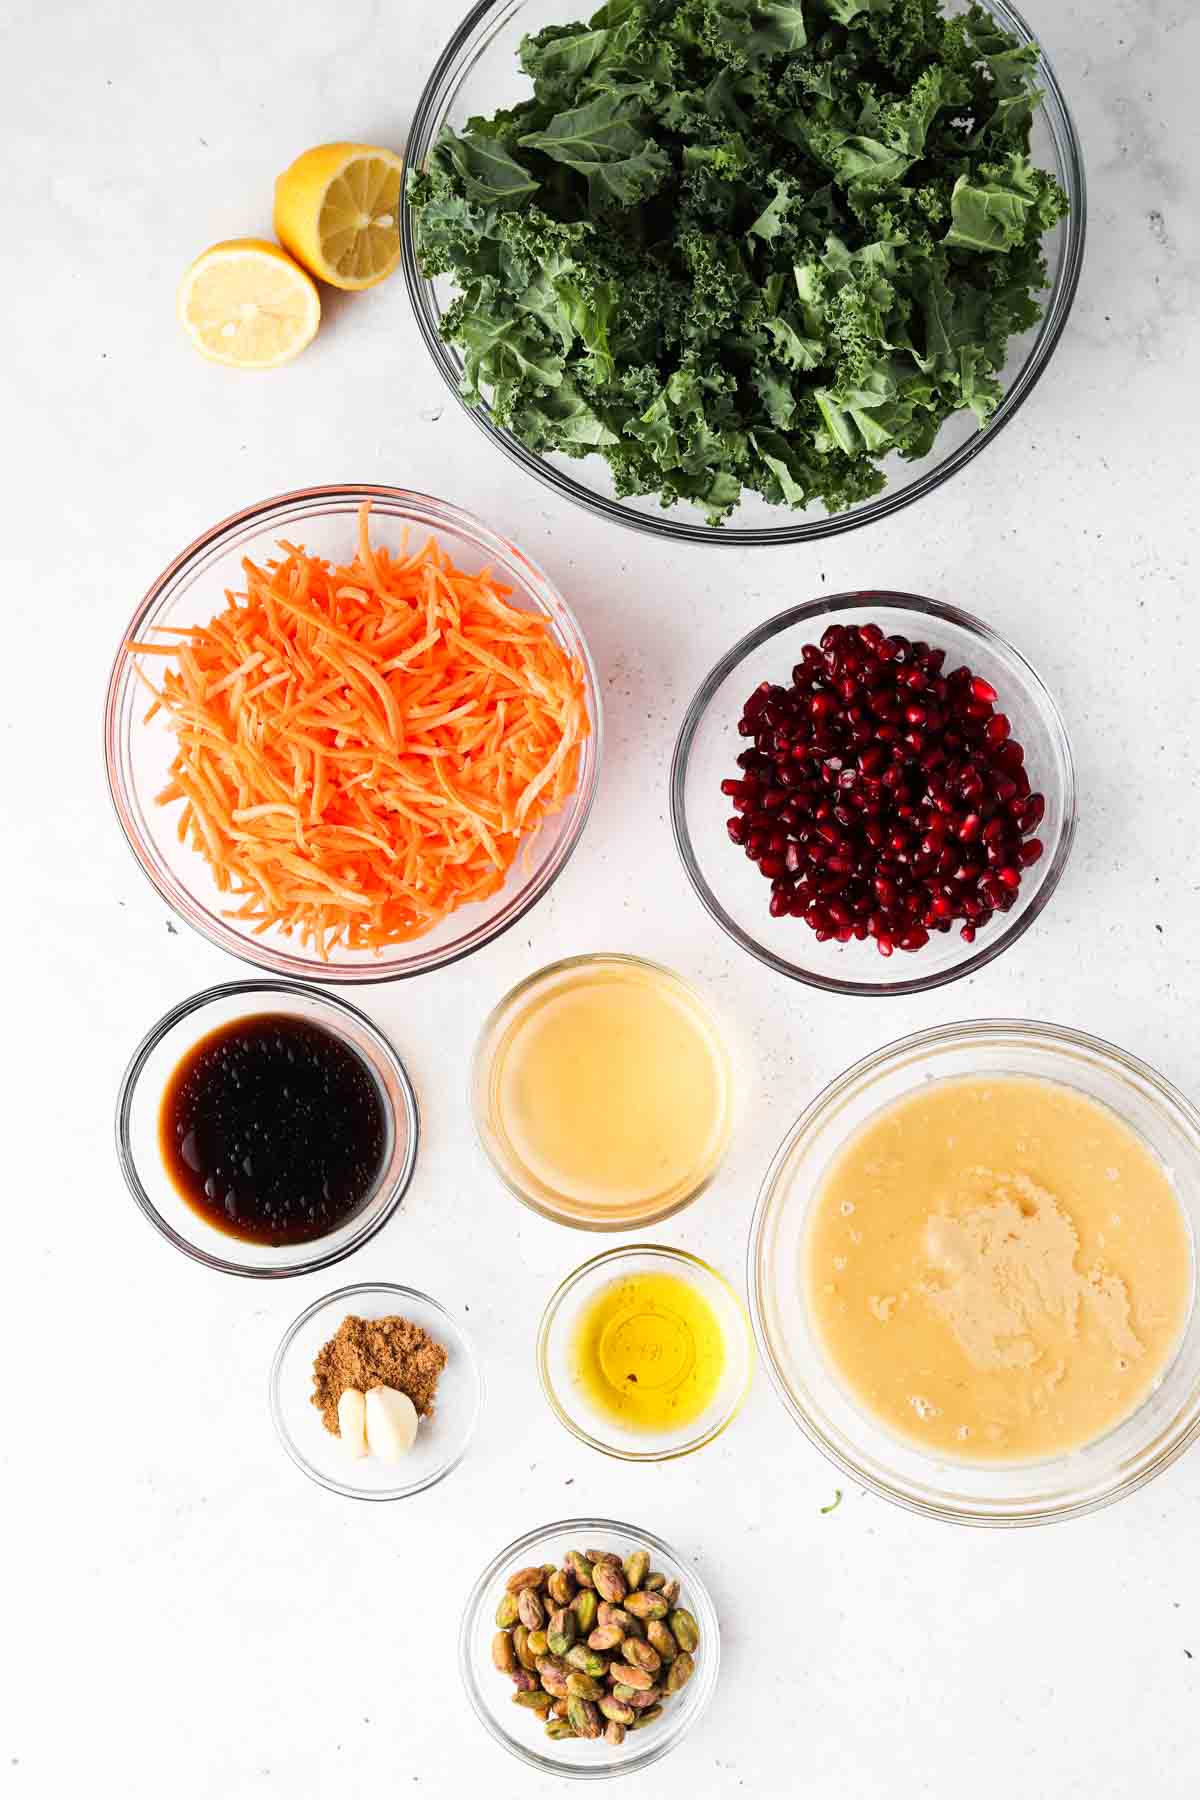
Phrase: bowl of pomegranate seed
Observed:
(873, 793)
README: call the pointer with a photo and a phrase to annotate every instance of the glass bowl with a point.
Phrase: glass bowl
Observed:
(1032, 1493)
(490, 1692)
(137, 754)
(555, 1359)
(442, 1441)
(478, 72)
(730, 886)
(140, 1098)
(500, 1029)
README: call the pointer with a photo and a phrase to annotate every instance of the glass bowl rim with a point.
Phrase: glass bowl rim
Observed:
(615, 1254)
(583, 959)
(257, 953)
(965, 1031)
(409, 1118)
(480, 1593)
(338, 1296)
(1056, 311)
(888, 599)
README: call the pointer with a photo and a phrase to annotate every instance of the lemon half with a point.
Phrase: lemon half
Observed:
(337, 209)
(247, 303)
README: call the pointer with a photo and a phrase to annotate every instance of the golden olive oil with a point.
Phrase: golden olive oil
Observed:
(648, 1352)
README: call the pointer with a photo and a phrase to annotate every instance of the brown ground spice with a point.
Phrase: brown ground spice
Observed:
(367, 1353)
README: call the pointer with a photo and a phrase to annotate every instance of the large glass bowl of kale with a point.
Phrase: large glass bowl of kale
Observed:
(751, 271)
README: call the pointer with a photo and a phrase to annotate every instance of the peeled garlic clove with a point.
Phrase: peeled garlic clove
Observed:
(352, 1421)
(391, 1423)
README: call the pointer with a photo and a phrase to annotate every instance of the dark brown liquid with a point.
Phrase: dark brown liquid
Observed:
(273, 1129)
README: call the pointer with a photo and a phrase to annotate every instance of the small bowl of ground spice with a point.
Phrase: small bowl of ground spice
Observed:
(375, 1391)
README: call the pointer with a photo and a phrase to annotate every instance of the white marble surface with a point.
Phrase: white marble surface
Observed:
(183, 1612)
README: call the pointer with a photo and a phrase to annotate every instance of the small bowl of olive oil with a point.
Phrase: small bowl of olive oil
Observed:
(645, 1353)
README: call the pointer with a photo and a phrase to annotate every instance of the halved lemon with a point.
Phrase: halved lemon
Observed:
(337, 209)
(245, 302)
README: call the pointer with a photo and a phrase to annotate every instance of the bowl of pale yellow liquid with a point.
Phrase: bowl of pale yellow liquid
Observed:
(645, 1353)
(972, 1273)
(603, 1092)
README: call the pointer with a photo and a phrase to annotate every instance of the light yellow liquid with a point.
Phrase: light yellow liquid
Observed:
(998, 1268)
(648, 1352)
(609, 1092)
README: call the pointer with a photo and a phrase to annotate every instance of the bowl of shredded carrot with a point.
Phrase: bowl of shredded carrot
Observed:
(352, 732)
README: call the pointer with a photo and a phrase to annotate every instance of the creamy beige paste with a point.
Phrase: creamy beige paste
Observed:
(998, 1268)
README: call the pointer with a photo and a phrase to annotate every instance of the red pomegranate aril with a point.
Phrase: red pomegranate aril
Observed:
(867, 783)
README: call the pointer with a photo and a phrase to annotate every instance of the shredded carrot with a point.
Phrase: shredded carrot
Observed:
(361, 749)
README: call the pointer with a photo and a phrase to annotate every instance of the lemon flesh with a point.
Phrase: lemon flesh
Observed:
(337, 209)
(247, 304)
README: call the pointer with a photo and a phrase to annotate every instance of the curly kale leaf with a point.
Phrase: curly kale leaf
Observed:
(740, 246)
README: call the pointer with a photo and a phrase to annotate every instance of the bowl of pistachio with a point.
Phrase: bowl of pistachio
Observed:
(588, 1648)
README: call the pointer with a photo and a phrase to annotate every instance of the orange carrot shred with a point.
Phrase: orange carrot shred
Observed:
(403, 732)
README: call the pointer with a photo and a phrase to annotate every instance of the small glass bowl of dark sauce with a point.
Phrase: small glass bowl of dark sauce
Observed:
(266, 1129)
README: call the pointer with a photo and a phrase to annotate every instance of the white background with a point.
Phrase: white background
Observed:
(186, 1615)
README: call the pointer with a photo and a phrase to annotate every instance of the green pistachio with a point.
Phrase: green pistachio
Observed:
(680, 1672)
(636, 1566)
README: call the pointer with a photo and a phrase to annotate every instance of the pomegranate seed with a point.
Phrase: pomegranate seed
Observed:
(881, 797)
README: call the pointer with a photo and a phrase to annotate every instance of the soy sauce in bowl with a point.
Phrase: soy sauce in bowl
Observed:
(274, 1130)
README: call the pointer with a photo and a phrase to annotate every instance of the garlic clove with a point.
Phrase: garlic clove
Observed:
(391, 1423)
(352, 1422)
